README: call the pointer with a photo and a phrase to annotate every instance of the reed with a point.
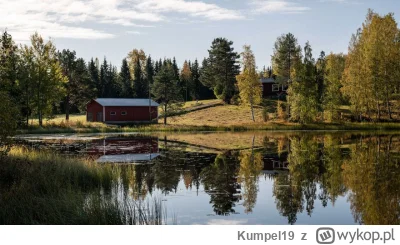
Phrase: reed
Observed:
(40, 187)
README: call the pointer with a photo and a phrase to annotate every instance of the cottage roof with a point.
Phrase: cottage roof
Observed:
(267, 80)
(125, 102)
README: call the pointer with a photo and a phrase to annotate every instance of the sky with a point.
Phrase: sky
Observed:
(185, 28)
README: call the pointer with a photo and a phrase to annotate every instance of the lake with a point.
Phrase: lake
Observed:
(303, 178)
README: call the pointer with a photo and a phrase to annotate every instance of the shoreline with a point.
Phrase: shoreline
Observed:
(233, 128)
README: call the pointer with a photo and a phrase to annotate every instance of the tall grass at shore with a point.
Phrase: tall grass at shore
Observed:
(44, 188)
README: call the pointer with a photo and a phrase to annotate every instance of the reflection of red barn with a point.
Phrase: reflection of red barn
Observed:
(121, 110)
(271, 88)
(124, 150)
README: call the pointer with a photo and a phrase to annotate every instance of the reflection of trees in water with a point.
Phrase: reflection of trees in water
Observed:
(372, 174)
(251, 165)
(331, 180)
(312, 162)
(288, 197)
(220, 182)
(319, 169)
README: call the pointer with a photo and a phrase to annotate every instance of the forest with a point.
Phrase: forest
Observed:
(39, 81)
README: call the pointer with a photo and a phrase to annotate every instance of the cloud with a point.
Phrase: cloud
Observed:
(193, 8)
(133, 32)
(70, 19)
(277, 6)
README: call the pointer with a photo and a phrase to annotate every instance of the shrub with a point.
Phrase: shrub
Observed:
(265, 114)
(8, 122)
(281, 110)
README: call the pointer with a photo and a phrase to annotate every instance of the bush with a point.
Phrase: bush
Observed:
(281, 110)
(8, 122)
(265, 114)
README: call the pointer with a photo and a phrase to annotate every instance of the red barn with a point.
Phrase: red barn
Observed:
(119, 111)
(271, 88)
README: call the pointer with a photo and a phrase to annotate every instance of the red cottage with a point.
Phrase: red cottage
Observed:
(119, 111)
(271, 88)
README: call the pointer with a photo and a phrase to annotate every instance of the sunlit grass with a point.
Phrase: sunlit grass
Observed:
(40, 187)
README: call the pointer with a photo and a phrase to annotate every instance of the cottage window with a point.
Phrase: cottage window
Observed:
(124, 113)
(284, 87)
(275, 87)
(113, 113)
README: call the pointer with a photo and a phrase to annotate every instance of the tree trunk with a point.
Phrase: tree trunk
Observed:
(378, 107)
(165, 114)
(388, 108)
(252, 112)
(67, 108)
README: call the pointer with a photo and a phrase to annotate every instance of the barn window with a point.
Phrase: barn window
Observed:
(113, 113)
(124, 113)
(275, 87)
(90, 117)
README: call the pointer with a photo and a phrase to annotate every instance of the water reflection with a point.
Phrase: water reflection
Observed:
(263, 178)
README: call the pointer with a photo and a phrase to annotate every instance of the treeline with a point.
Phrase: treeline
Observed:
(40, 81)
(367, 78)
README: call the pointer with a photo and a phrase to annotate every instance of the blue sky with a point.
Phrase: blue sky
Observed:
(185, 29)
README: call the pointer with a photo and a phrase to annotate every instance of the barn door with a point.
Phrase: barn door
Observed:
(99, 116)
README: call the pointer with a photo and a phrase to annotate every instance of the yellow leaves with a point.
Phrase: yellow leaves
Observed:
(371, 67)
(186, 73)
(250, 91)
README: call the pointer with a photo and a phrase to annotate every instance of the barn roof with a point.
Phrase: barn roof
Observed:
(267, 80)
(125, 102)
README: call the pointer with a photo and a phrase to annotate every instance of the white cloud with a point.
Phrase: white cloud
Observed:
(193, 8)
(133, 32)
(64, 18)
(277, 6)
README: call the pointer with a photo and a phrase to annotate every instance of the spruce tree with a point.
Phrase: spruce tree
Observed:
(149, 75)
(139, 85)
(95, 79)
(220, 69)
(126, 81)
(165, 89)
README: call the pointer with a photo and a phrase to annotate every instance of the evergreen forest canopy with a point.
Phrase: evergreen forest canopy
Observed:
(37, 80)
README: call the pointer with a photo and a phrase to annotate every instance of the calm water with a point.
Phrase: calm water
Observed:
(252, 178)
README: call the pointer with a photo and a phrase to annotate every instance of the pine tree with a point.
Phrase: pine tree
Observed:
(139, 85)
(95, 79)
(8, 65)
(84, 89)
(125, 80)
(165, 89)
(220, 69)
(149, 75)
(103, 79)
(287, 54)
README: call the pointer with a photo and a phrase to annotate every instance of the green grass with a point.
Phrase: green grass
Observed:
(44, 188)
(214, 118)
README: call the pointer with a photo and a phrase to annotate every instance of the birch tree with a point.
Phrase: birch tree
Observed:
(250, 91)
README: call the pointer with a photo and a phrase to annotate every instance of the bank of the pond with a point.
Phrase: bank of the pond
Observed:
(232, 128)
(44, 188)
